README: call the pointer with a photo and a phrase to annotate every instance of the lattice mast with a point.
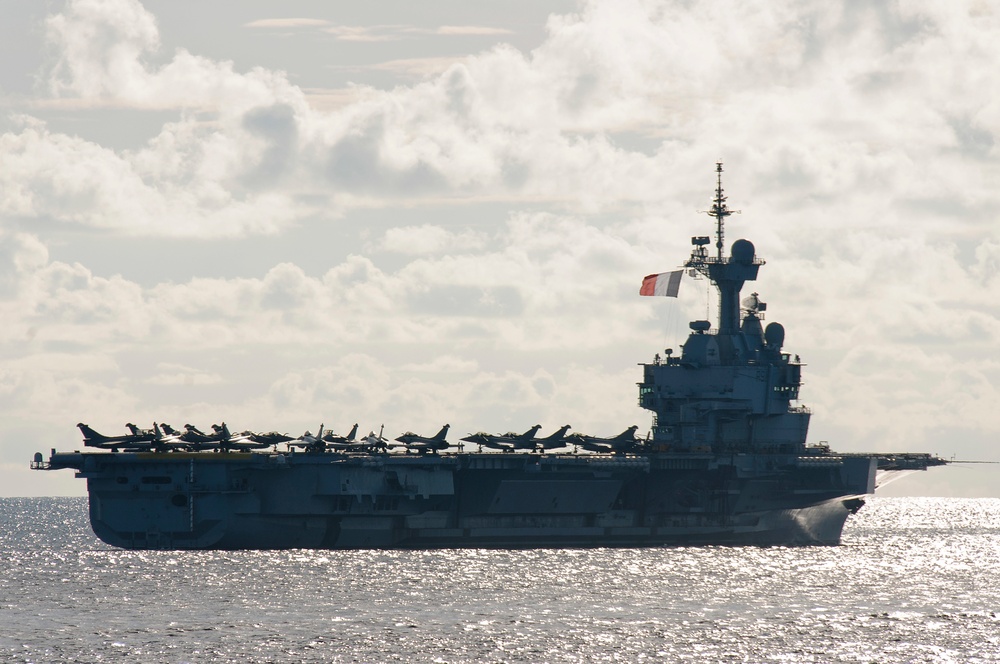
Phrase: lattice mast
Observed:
(720, 211)
(727, 273)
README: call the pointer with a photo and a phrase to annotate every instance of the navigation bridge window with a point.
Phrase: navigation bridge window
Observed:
(646, 396)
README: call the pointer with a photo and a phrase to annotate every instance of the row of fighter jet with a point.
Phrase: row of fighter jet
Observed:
(164, 438)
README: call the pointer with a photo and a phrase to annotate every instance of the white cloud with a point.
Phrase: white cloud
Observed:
(429, 239)
(186, 182)
(363, 33)
(168, 373)
(859, 142)
(842, 105)
(100, 43)
(528, 288)
(104, 47)
(20, 254)
(75, 384)
(444, 364)
(414, 67)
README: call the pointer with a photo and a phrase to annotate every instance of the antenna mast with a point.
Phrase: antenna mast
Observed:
(719, 210)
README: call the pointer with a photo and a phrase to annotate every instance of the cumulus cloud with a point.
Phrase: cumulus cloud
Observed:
(429, 239)
(72, 382)
(168, 373)
(104, 48)
(20, 254)
(157, 191)
(443, 364)
(413, 67)
(863, 104)
(860, 143)
(527, 271)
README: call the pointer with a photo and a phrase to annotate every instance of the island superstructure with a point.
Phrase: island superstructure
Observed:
(726, 462)
(731, 389)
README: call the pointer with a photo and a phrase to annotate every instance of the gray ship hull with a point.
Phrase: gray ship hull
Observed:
(281, 501)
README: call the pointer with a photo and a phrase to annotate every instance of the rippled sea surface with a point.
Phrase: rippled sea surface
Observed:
(915, 580)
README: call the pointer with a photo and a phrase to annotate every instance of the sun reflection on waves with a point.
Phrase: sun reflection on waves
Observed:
(913, 581)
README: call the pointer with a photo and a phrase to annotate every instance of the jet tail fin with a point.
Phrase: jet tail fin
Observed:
(90, 437)
(440, 435)
(629, 433)
(354, 432)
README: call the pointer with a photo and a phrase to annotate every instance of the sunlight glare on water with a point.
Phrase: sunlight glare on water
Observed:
(912, 582)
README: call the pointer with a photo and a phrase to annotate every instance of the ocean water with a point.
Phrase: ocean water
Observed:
(915, 580)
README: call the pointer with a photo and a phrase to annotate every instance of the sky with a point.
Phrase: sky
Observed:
(404, 214)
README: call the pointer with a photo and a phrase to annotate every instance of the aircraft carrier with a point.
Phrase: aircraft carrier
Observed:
(726, 462)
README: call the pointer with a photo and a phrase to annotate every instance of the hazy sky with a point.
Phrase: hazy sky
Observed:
(398, 213)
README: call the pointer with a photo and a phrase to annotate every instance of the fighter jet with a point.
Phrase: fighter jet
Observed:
(336, 441)
(309, 442)
(371, 443)
(424, 444)
(92, 438)
(623, 442)
(193, 441)
(164, 442)
(375, 442)
(169, 430)
(553, 441)
(228, 441)
(508, 442)
(144, 440)
(222, 439)
(136, 431)
(270, 438)
(163, 436)
(193, 434)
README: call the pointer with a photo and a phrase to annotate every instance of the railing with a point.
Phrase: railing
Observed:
(695, 261)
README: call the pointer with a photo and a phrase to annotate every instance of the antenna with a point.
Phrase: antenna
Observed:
(719, 210)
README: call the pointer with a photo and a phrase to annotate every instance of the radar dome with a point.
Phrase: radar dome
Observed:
(774, 335)
(743, 251)
(700, 325)
(751, 302)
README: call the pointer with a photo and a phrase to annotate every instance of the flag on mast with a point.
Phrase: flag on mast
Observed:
(665, 283)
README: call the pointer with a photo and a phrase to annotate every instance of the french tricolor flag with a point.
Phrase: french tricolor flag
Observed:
(665, 283)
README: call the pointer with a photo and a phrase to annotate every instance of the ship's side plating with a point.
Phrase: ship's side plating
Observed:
(270, 500)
